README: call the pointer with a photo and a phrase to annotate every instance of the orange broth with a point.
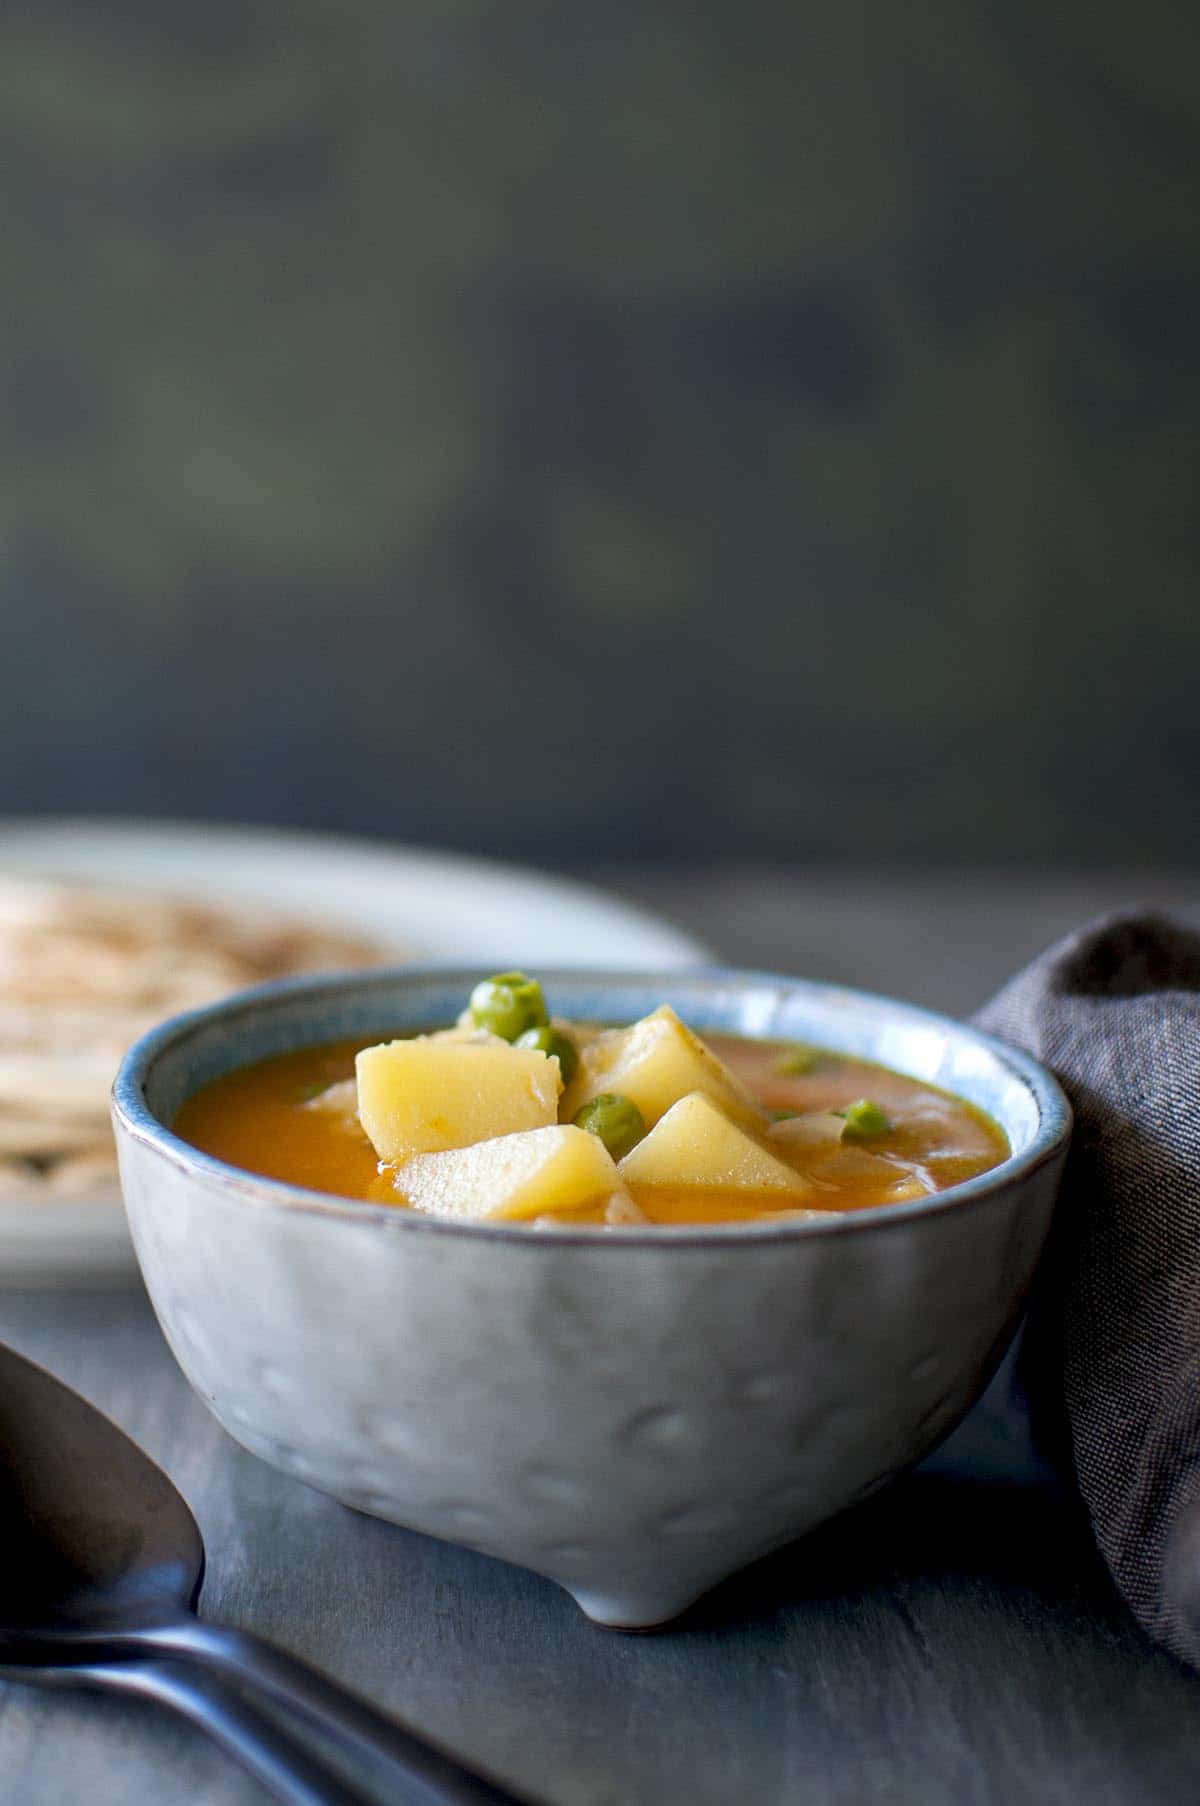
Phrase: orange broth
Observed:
(259, 1118)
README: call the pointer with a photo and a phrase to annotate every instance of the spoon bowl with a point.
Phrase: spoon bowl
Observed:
(106, 1563)
(98, 1533)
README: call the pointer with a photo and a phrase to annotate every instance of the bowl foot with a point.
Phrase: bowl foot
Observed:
(633, 1613)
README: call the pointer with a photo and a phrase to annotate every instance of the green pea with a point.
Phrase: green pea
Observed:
(552, 1042)
(864, 1119)
(508, 1004)
(797, 1059)
(616, 1120)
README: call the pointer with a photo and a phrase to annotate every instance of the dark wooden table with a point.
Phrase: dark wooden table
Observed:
(949, 1642)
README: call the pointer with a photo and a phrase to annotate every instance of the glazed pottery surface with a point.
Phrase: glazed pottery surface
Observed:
(635, 1413)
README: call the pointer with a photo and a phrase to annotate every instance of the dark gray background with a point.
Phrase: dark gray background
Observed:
(606, 430)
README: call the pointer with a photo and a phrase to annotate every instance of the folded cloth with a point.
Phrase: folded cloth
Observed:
(1111, 1347)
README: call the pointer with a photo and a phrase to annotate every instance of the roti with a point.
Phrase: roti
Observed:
(84, 970)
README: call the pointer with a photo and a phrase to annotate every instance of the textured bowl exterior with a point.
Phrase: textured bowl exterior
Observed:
(635, 1414)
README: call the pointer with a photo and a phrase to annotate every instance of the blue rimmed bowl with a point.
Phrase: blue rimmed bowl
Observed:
(635, 1413)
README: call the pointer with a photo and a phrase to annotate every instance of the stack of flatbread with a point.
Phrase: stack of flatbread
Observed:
(84, 970)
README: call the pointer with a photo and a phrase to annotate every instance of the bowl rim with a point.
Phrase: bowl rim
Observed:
(132, 1114)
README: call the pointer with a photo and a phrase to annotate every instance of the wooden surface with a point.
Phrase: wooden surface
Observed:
(949, 1642)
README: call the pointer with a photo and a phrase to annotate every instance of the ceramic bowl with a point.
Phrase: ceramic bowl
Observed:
(635, 1413)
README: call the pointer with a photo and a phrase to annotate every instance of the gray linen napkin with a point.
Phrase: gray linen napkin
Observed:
(1111, 1348)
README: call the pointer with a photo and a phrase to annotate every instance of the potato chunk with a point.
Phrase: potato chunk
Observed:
(480, 1037)
(694, 1144)
(514, 1176)
(655, 1063)
(816, 1142)
(420, 1096)
(340, 1099)
(812, 1132)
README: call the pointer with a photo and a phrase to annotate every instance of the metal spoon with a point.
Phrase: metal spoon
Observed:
(104, 1568)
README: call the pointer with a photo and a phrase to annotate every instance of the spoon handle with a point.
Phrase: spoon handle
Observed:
(247, 1733)
(428, 1776)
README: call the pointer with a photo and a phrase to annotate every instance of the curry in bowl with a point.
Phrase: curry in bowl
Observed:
(511, 1115)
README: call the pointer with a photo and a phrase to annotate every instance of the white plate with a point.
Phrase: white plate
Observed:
(427, 905)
